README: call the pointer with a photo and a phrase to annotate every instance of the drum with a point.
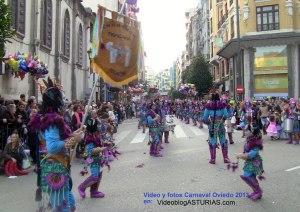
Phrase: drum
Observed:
(169, 124)
(288, 125)
(228, 126)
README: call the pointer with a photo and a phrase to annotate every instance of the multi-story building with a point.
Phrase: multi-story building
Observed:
(178, 68)
(172, 73)
(260, 49)
(190, 34)
(164, 82)
(198, 30)
(58, 33)
(151, 77)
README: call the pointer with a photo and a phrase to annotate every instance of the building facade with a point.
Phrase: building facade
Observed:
(172, 72)
(259, 49)
(58, 33)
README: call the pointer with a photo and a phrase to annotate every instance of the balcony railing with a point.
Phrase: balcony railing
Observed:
(222, 20)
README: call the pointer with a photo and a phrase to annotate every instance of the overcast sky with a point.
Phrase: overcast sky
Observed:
(163, 26)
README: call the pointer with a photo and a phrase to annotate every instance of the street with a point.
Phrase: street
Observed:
(137, 182)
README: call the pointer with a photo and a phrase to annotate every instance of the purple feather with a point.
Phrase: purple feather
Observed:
(53, 119)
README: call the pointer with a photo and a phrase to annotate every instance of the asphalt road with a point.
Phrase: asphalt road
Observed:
(183, 170)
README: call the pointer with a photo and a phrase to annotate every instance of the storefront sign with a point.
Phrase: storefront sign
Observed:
(271, 70)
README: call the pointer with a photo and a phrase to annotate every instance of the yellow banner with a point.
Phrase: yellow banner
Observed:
(117, 59)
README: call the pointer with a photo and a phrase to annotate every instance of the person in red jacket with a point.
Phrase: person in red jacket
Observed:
(14, 154)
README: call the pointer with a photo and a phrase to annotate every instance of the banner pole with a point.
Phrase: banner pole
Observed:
(95, 84)
(93, 90)
(123, 7)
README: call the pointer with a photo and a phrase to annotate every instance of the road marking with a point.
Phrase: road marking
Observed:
(120, 136)
(292, 169)
(196, 131)
(139, 137)
(179, 133)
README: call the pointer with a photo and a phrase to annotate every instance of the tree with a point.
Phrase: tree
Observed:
(175, 94)
(5, 26)
(198, 74)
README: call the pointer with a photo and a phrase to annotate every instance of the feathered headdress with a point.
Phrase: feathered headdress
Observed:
(52, 95)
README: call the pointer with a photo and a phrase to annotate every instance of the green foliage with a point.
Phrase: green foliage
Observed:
(198, 74)
(5, 25)
(175, 94)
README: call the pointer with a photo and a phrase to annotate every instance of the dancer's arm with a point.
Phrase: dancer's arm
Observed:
(250, 155)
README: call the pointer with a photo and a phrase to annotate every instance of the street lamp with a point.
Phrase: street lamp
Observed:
(90, 58)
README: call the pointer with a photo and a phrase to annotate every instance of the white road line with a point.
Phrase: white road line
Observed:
(120, 136)
(179, 133)
(292, 169)
(139, 137)
(196, 130)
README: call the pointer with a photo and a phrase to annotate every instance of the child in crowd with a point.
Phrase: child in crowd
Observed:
(253, 167)
(272, 128)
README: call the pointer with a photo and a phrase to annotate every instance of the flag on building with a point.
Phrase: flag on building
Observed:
(117, 61)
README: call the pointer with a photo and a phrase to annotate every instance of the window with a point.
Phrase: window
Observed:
(267, 18)
(80, 45)
(46, 28)
(66, 35)
(18, 9)
(232, 26)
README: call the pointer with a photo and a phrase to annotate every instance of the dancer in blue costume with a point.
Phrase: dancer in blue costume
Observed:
(143, 118)
(200, 114)
(55, 176)
(93, 149)
(214, 115)
(253, 167)
(195, 112)
(153, 122)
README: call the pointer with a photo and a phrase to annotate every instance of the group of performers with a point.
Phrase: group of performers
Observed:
(157, 116)
(219, 114)
(54, 166)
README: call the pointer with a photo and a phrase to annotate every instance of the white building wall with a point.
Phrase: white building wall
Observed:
(12, 87)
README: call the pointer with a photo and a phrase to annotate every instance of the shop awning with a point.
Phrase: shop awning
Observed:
(266, 39)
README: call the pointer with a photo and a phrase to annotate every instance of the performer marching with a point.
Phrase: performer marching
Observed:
(54, 175)
(165, 113)
(153, 121)
(93, 149)
(253, 167)
(228, 122)
(214, 115)
(143, 119)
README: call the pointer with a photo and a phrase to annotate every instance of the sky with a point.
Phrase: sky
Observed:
(163, 28)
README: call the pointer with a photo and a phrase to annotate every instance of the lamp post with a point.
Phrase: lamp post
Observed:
(238, 68)
(89, 52)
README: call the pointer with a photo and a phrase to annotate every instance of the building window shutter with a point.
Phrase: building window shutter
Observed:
(46, 34)
(66, 38)
(80, 44)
